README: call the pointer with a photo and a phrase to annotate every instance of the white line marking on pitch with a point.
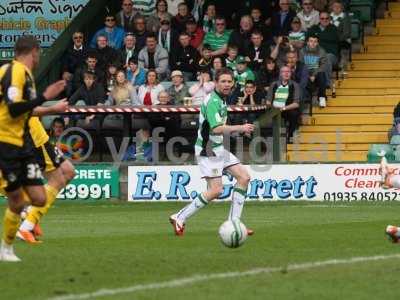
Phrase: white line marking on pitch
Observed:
(209, 277)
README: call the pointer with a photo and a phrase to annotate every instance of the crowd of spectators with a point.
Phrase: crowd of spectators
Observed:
(281, 55)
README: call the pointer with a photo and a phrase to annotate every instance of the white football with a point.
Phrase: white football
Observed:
(233, 233)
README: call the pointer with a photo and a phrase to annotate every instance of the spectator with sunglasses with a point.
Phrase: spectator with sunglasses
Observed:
(218, 39)
(74, 57)
(115, 35)
(328, 37)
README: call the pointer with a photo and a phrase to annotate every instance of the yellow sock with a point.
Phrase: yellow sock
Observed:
(10, 226)
(36, 213)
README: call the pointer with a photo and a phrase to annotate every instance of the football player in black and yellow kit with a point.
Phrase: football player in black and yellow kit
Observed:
(57, 171)
(18, 163)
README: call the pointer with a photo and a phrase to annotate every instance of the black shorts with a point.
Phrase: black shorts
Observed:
(49, 157)
(19, 166)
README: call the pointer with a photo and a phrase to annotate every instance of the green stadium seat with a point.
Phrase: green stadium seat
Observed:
(395, 140)
(356, 26)
(374, 149)
(365, 8)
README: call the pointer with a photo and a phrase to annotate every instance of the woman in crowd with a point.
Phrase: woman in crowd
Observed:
(268, 73)
(200, 90)
(153, 22)
(123, 92)
(217, 63)
(148, 92)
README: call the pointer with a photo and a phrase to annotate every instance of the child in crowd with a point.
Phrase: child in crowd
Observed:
(135, 74)
(243, 73)
(231, 59)
(205, 60)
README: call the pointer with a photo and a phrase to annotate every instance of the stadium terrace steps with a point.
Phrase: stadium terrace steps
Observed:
(376, 56)
(382, 40)
(376, 65)
(321, 156)
(363, 101)
(354, 110)
(373, 74)
(348, 119)
(344, 137)
(392, 14)
(377, 48)
(368, 83)
(367, 92)
(329, 147)
(362, 112)
(344, 128)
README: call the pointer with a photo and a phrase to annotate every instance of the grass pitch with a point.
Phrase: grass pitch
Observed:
(93, 246)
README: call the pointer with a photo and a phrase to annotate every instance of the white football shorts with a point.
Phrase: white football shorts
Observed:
(213, 166)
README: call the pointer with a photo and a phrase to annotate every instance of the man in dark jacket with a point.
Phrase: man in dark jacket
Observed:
(91, 67)
(258, 51)
(299, 71)
(130, 50)
(185, 58)
(105, 54)
(328, 39)
(281, 20)
(241, 37)
(90, 92)
(75, 56)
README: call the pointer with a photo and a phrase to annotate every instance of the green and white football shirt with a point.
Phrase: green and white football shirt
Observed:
(213, 113)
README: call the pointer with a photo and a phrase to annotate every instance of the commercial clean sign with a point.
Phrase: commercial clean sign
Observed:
(316, 182)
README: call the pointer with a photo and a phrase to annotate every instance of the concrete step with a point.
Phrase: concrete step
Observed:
(344, 128)
(382, 40)
(368, 83)
(376, 65)
(352, 109)
(343, 137)
(378, 48)
(364, 101)
(348, 119)
(376, 56)
(367, 92)
(372, 74)
(326, 156)
(327, 147)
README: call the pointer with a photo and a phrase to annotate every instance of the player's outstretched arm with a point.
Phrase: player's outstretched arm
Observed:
(59, 107)
(228, 129)
(17, 108)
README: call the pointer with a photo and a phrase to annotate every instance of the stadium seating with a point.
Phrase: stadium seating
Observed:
(361, 114)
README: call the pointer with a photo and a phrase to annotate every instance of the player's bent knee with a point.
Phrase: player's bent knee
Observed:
(38, 199)
(16, 201)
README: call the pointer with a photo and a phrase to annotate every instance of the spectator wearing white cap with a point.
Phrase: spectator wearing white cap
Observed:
(178, 90)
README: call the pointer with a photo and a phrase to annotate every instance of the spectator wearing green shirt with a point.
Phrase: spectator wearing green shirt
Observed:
(243, 73)
(231, 59)
(218, 39)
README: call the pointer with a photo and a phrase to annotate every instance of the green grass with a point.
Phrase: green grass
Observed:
(90, 246)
